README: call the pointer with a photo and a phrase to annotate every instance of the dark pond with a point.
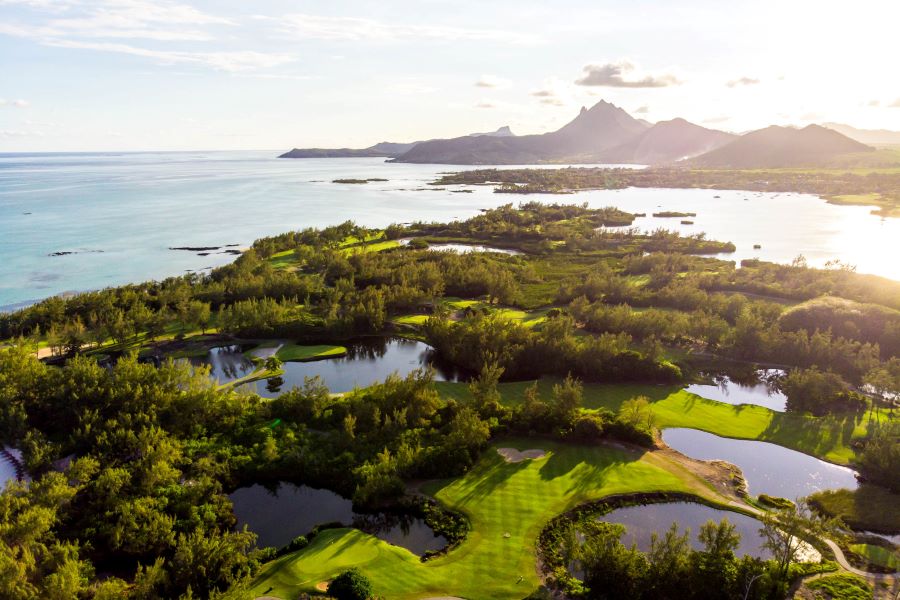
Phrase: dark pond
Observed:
(367, 361)
(768, 468)
(759, 389)
(642, 522)
(226, 363)
(279, 516)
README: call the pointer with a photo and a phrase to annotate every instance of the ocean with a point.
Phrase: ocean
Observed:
(79, 221)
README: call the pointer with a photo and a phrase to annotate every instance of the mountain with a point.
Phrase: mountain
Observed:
(775, 147)
(602, 127)
(504, 131)
(874, 137)
(386, 149)
(666, 142)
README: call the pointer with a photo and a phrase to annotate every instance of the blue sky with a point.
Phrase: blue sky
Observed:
(273, 74)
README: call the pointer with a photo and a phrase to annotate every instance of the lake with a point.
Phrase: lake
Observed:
(643, 521)
(367, 360)
(226, 363)
(278, 516)
(132, 207)
(758, 390)
(769, 468)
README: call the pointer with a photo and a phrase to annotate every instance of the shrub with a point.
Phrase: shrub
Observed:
(350, 585)
(587, 428)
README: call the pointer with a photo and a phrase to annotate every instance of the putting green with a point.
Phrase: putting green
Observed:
(507, 504)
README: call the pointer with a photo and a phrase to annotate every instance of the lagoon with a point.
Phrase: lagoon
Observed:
(118, 214)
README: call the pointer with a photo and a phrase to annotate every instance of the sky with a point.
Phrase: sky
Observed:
(94, 75)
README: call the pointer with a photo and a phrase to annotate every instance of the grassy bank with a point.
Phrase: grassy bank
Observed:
(507, 504)
(827, 437)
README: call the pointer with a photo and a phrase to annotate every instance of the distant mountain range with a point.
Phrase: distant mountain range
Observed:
(386, 149)
(875, 137)
(607, 134)
(775, 146)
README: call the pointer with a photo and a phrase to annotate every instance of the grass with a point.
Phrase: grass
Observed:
(371, 247)
(299, 353)
(507, 504)
(828, 437)
(869, 508)
(877, 555)
(842, 586)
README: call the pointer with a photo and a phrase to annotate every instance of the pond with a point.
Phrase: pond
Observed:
(367, 361)
(279, 516)
(642, 522)
(465, 248)
(769, 468)
(227, 363)
(8, 467)
(760, 389)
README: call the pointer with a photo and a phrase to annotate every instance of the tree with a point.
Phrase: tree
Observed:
(785, 530)
(637, 413)
(350, 585)
(567, 399)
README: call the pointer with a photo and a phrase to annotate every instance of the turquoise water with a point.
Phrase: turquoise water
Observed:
(118, 214)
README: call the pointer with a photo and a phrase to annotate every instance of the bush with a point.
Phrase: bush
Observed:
(350, 585)
(417, 244)
(775, 501)
(587, 428)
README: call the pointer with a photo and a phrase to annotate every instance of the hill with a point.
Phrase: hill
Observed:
(386, 149)
(873, 137)
(777, 147)
(668, 141)
(594, 130)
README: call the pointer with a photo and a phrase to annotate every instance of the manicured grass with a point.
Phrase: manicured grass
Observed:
(411, 319)
(841, 586)
(372, 247)
(869, 507)
(283, 260)
(507, 504)
(299, 353)
(877, 555)
(825, 437)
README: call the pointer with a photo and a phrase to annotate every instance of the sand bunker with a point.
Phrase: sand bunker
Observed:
(322, 586)
(512, 455)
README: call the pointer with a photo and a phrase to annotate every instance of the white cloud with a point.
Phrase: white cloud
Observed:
(491, 81)
(100, 24)
(742, 81)
(895, 103)
(485, 104)
(359, 29)
(623, 74)
(642, 110)
(223, 61)
(713, 120)
(19, 103)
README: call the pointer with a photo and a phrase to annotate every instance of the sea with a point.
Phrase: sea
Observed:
(72, 222)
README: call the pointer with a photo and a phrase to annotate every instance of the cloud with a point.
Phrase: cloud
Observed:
(485, 104)
(895, 104)
(713, 120)
(222, 61)
(101, 25)
(490, 81)
(614, 75)
(19, 103)
(742, 81)
(642, 110)
(873, 103)
(360, 29)
(543, 94)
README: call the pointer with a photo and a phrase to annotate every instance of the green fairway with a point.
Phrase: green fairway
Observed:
(298, 352)
(877, 555)
(507, 504)
(827, 437)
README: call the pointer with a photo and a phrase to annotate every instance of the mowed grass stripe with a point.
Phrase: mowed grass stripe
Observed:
(499, 498)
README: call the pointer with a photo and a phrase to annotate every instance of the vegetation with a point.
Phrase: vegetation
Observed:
(132, 461)
(350, 585)
(842, 586)
(880, 556)
(868, 508)
(867, 183)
